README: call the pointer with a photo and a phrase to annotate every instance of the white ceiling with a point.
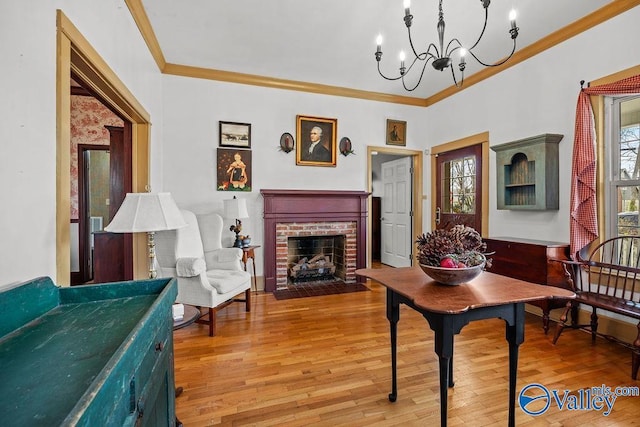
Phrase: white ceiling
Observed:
(332, 42)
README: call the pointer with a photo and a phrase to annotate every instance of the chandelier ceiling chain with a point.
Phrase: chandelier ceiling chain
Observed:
(440, 57)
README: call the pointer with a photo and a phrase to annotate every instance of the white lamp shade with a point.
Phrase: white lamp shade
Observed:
(145, 212)
(235, 208)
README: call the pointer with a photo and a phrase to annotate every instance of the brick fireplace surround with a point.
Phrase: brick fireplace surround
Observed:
(293, 213)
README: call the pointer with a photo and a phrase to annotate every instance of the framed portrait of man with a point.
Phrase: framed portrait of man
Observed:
(316, 141)
(396, 132)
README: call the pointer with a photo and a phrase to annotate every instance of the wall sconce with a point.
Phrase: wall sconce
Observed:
(345, 147)
(286, 142)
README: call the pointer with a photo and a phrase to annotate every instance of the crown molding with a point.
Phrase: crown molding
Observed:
(610, 10)
(141, 19)
(272, 82)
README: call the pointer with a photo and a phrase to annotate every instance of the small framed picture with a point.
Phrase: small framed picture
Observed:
(316, 141)
(396, 132)
(235, 134)
(233, 170)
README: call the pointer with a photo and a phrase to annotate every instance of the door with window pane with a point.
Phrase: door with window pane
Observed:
(459, 188)
(624, 192)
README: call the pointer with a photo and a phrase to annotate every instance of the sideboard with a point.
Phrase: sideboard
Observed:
(87, 355)
(532, 261)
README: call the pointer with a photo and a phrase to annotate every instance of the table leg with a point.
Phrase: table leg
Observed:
(444, 350)
(515, 337)
(393, 315)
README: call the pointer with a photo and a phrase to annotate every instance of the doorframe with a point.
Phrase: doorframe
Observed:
(416, 195)
(483, 140)
(75, 53)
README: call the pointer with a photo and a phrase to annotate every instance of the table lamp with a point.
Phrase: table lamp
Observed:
(147, 213)
(236, 208)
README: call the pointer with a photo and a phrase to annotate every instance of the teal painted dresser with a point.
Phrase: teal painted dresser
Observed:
(95, 355)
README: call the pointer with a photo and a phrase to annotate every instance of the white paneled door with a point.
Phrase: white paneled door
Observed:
(396, 232)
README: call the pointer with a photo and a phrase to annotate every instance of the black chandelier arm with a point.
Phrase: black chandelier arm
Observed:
(455, 81)
(484, 27)
(426, 53)
(496, 64)
(385, 77)
(449, 52)
(419, 79)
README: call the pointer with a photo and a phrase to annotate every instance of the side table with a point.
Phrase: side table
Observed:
(248, 252)
(191, 314)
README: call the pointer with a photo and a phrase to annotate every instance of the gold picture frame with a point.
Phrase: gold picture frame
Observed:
(396, 132)
(316, 138)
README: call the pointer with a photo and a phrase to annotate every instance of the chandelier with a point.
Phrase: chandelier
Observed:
(440, 58)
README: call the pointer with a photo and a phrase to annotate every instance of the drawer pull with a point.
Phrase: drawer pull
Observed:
(159, 346)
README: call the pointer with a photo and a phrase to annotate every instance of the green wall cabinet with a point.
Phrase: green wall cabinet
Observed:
(527, 173)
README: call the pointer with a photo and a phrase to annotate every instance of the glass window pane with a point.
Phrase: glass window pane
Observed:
(628, 199)
(459, 186)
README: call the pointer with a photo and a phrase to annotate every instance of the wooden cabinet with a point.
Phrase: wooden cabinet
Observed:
(527, 173)
(93, 355)
(108, 260)
(531, 260)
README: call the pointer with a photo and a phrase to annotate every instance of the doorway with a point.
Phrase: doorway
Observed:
(459, 183)
(376, 156)
(75, 54)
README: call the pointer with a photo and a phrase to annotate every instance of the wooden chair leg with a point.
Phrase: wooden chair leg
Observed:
(635, 356)
(212, 322)
(247, 299)
(563, 320)
(594, 325)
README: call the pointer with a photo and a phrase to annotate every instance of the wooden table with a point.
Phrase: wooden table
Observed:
(449, 308)
(248, 252)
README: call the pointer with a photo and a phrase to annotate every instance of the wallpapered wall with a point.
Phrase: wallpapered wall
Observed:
(88, 120)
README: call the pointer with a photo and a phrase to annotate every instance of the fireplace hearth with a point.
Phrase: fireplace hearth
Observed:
(296, 214)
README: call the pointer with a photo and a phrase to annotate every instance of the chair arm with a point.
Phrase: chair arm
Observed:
(571, 270)
(224, 259)
(190, 267)
(196, 291)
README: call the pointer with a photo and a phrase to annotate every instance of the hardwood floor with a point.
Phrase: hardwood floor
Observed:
(325, 361)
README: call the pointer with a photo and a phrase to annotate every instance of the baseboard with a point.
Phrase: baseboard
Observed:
(623, 329)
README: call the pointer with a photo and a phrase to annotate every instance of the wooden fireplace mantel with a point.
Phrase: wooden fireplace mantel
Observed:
(285, 206)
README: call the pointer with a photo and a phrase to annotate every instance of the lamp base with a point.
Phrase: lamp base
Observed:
(237, 243)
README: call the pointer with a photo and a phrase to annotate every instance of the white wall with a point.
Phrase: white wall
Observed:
(193, 108)
(535, 97)
(27, 106)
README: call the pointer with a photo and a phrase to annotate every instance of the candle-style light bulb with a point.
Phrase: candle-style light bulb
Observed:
(402, 68)
(463, 52)
(407, 6)
(379, 43)
(512, 18)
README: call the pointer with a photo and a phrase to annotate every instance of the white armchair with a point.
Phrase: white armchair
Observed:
(208, 274)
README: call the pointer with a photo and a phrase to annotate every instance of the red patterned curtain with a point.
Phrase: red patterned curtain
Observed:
(584, 214)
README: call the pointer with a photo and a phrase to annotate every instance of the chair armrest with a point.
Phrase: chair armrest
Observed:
(224, 259)
(190, 267)
(572, 271)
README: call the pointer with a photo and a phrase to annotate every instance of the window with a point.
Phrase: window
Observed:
(623, 189)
